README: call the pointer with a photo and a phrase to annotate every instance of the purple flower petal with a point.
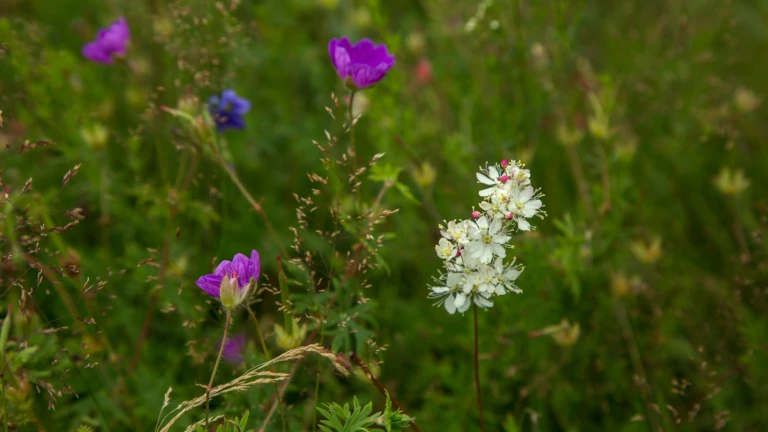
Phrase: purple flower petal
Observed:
(224, 268)
(110, 42)
(365, 63)
(245, 267)
(210, 284)
(233, 348)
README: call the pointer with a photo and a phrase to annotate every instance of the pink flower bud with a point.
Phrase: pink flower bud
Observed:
(476, 214)
(503, 179)
(423, 71)
(510, 216)
(458, 253)
(504, 163)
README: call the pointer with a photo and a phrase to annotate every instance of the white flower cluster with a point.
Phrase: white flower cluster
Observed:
(473, 250)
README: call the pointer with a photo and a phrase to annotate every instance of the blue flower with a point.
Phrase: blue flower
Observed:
(228, 110)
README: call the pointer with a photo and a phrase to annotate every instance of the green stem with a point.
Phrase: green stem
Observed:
(317, 383)
(477, 371)
(352, 129)
(6, 328)
(256, 206)
(216, 366)
(353, 156)
(266, 354)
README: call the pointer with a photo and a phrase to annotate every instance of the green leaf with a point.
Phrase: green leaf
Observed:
(406, 192)
(385, 172)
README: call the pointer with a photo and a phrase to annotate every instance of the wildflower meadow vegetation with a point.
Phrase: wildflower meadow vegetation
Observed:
(360, 215)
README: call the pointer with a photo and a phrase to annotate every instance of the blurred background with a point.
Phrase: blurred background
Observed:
(644, 304)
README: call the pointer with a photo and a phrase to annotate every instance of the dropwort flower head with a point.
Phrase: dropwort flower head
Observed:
(360, 65)
(233, 280)
(228, 110)
(110, 42)
(473, 250)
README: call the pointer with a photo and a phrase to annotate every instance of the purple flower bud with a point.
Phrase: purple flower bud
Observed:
(503, 179)
(504, 163)
(476, 214)
(110, 42)
(361, 65)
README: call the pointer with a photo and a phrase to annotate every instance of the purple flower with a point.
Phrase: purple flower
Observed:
(110, 42)
(361, 65)
(228, 110)
(233, 348)
(232, 280)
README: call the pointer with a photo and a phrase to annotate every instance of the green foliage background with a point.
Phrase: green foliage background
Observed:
(626, 113)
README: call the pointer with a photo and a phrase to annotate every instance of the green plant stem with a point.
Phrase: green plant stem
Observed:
(6, 328)
(637, 364)
(352, 151)
(266, 354)
(317, 381)
(352, 130)
(477, 370)
(256, 206)
(581, 180)
(216, 365)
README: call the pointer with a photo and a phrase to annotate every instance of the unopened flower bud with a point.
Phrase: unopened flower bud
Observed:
(503, 179)
(229, 292)
(290, 338)
(510, 216)
(95, 136)
(504, 163)
(476, 214)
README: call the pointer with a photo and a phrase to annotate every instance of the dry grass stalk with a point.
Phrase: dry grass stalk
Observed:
(252, 377)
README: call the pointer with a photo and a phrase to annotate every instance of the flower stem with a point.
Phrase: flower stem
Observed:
(352, 151)
(352, 129)
(216, 365)
(256, 206)
(477, 371)
(266, 354)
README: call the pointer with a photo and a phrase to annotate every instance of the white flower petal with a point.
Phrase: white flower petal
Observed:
(493, 172)
(465, 306)
(482, 223)
(487, 192)
(485, 180)
(483, 302)
(460, 299)
(526, 194)
(501, 238)
(449, 304)
(523, 224)
(512, 274)
(495, 227)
